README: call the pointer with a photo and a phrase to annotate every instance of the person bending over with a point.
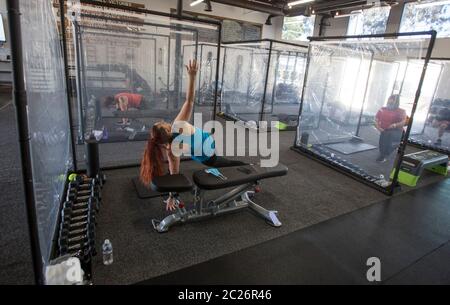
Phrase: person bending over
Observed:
(163, 135)
(442, 123)
(390, 121)
(125, 101)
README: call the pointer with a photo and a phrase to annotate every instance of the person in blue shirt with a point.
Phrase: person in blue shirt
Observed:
(198, 143)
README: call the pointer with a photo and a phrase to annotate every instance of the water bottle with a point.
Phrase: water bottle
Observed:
(107, 253)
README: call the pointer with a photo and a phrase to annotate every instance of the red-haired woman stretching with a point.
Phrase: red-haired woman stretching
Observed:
(197, 142)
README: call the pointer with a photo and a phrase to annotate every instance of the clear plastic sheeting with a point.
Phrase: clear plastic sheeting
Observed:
(47, 114)
(140, 56)
(263, 81)
(206, 78)
(431, 127)
(355, 106)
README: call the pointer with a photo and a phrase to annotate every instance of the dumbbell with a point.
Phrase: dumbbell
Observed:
(79, 205)
(100, 179)
(68, 216)
(67, 240)
(93, 190)
(74, 226)
(76, 187)
(69, 211)
(86, 247)
(70, 233)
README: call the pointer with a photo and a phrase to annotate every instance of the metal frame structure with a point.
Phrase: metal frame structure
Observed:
(178, 16)
(200, 45)
(82, 73)
(230, 44)
(21, 106)
(401, 150)
(422, 144)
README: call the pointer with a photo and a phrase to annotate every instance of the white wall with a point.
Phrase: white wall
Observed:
(220, 10)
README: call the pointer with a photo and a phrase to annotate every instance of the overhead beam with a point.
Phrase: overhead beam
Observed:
(255, 6)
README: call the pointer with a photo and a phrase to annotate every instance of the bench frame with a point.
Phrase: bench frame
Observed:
(237, 199)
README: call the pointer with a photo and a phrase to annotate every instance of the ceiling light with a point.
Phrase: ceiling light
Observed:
(196, 2)
(294, 3)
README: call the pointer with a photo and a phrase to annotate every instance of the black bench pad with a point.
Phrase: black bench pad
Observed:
(236, 176)
(172, 183)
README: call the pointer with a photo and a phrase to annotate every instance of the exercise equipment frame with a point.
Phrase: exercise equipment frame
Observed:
(401, 150)
(271, 51)
(177, 16)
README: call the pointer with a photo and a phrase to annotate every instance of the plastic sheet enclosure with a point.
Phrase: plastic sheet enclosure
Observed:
(357, 102)
(119, 52)
(431, 128)
(206, 78)
(263, 81)
(47, 114)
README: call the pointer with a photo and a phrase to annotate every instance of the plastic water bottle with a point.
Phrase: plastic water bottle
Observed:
(107, 253)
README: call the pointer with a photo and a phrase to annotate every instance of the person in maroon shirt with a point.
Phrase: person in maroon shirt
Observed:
(390, 121)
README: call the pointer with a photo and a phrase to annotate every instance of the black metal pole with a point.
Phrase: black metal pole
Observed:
(302, 100)
(223, 80)
(178, 69)
(199, 80)
(274, 88)
(216, 89)
(169, 49)
(180, 8)
(265, 83)
(62, 13)
(402, 148)
(21, 106)
(79, 82)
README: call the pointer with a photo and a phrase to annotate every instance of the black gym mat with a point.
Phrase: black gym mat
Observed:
(143, 191)
(348, 148)
(409, 233)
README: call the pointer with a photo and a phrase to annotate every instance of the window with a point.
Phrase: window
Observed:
(298, 28)
(427, 15)
(370, 21)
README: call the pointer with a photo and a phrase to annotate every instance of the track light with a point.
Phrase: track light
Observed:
(298, 2)
(269, 20)
(194, 3)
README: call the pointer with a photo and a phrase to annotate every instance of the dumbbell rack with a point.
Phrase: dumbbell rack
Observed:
(76, 232)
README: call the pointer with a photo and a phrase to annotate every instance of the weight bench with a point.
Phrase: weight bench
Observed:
(245, 180)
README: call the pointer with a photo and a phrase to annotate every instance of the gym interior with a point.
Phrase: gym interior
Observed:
(349, 99)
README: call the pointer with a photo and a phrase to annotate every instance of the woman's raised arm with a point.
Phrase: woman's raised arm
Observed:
(188, 106)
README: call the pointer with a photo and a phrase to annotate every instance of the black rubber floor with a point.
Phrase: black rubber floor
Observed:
(409, 233)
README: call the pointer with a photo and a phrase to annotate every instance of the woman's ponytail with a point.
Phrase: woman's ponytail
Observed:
(152, 164)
